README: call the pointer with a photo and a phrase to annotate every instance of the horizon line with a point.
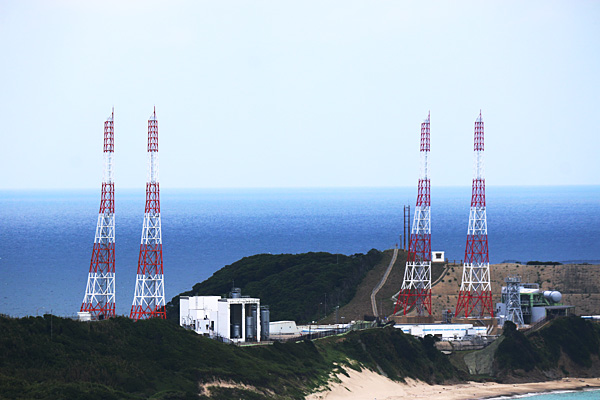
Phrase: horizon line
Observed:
(293, 187)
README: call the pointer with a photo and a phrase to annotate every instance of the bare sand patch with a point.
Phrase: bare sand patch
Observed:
(368, 385)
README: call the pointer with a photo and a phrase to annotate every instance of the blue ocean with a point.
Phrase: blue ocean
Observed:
(46, 237)
(558, 395)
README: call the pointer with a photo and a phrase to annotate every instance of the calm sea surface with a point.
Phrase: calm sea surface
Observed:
(563, 395)
(46, 237)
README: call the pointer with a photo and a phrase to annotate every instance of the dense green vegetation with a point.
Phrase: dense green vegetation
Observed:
(118, 358)
(53, 358)
(577, 338)
(516, 351)
(570, 337)
(543, 263)
(298, 287)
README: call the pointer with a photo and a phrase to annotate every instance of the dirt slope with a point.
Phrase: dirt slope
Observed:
(579, 284)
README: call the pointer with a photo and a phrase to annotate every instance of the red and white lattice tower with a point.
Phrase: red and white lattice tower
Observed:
(475, 297)
(99, 298)
(149, 297)
(416, 287)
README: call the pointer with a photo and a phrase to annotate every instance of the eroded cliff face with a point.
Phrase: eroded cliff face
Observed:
(482, 362)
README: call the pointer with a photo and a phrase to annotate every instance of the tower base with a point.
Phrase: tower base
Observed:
(412, 319)
(490, 322)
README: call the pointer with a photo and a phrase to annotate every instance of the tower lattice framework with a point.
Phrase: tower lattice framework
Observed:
(149, 296)
(475, 297)
(99, 298)
(514, 313)
(416, 287)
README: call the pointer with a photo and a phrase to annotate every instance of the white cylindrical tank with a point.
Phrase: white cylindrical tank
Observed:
(264, 322)
(249, 327)
(553, 296)
(237, 331)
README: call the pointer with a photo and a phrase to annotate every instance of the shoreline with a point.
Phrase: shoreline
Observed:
(550, 391)
(368, 385)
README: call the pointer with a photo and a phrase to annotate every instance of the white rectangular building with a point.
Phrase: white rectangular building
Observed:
(199, 313)
(284, 328)
(443, 331)
(236, 319)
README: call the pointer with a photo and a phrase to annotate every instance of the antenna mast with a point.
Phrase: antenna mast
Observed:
(99, 298)
(416, 287)
(149, 296)
(475, 297)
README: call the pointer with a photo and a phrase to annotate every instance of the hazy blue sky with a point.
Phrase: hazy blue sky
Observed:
(299, 93)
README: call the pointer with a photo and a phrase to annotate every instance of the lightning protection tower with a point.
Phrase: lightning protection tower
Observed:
(416, 287)
(149, 296)
(99, 298)
(475, 297)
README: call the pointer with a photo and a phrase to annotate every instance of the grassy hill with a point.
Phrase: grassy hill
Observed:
(299, 287)
(55, 358)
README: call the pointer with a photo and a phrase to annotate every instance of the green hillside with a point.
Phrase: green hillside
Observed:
(298, 287)
(55, 358)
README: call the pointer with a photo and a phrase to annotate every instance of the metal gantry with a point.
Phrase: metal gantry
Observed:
(475, 296)
(416, 287)
(99, 298)
(149, 296)
(514, 313)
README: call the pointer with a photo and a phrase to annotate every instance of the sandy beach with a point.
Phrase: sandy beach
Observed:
(368, 385)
